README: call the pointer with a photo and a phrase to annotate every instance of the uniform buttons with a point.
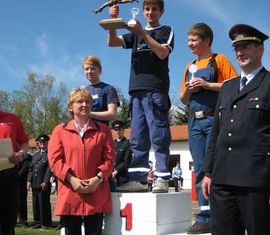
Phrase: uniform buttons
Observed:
(231, 120)
(235, 106)
(229, 149)
(229, 134)
(257, 106)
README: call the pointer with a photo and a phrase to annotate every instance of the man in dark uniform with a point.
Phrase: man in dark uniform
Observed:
(39, 180)
(23, 168)
(123, 154)
(237, 166)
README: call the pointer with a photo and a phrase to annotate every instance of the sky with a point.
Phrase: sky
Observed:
(54, 36)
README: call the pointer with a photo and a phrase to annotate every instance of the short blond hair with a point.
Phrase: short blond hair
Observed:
(73, 95)
(93, 60)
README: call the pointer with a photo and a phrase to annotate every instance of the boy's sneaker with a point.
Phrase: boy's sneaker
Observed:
(160, 186)
(197, 228)
(132, 186)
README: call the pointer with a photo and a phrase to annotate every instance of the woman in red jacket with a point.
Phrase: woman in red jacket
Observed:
(81, 154)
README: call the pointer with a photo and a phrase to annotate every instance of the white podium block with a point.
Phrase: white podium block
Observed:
(148, 213)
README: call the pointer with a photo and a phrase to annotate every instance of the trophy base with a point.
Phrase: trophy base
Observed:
(132, 23)
(115, 23)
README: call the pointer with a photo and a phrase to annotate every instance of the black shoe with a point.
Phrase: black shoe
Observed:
(44, 227)
(59, 226)
(197, 228)
(37, 226)
(24, 225)
(132, 186)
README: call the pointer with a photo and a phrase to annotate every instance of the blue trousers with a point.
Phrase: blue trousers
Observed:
(149, 125)
(199, 136)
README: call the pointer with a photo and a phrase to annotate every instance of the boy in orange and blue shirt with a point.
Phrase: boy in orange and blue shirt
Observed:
(201, 95)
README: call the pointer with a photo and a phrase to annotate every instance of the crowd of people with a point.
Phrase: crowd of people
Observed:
(229, 136)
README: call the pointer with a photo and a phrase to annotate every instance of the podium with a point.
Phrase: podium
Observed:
(148, 213)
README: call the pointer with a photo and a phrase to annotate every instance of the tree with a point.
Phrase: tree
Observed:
(178, 115)
(123, 109)
(4, 101)
(41, 105)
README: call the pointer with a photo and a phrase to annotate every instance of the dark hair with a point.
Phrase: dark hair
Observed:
(159, 3)
(203, 31)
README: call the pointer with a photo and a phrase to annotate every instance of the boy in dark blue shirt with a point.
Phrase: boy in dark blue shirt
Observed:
(148, 87)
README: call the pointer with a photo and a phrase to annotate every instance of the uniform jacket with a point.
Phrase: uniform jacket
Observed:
(123, 158)
(239, 148)
(23, 167)
(39, 171)
(83, 158)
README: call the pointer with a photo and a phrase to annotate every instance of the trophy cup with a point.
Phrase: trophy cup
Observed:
(192, 69)
(134, 11)
(113, 23)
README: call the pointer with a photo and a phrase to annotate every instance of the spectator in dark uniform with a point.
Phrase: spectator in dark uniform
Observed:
(39, 180)
(54, 179)
(237, 164)
(23, 168)
(123, 154)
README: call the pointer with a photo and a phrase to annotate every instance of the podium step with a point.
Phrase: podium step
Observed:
(148, 213)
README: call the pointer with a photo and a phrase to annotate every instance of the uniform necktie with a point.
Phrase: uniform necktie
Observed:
(243, 83)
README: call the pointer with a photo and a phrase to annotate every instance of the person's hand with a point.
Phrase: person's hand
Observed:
(29, 185)
(52, 179)
(16, 157)
(93, 184)
(190, 87)
(137, 29)
(114, 11)
(206, 184)
(114, 173)
(43, 186)
(80, 186)
(200, 83)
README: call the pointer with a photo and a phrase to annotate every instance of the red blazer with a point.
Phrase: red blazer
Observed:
(83, 158)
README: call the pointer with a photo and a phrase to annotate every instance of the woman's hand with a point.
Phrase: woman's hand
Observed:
(93, 184)
(78, 185)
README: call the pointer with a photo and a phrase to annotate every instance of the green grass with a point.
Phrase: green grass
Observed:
(30, 231)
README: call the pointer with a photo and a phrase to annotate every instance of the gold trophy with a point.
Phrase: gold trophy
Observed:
(113, 23)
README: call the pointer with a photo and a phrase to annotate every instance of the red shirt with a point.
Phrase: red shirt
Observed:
(11, 127)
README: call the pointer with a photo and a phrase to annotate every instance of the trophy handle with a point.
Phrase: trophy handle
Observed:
(111, 3)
